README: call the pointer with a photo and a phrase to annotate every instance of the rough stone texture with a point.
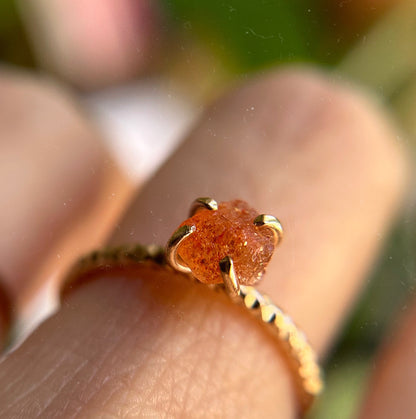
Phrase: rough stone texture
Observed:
(229, 231)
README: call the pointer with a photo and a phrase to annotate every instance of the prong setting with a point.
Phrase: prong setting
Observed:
(196, 253)
(271, 222)
(203, 203)
(229, 277)
(172, 248)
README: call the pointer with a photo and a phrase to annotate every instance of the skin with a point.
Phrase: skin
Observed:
(56, 180)
(395, 364)
(147, 343)
(96, 43)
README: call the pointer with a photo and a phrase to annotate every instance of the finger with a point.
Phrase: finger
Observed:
(391, 391)
(300, 157)
(53, 170)
(93, 43)
(292, 144)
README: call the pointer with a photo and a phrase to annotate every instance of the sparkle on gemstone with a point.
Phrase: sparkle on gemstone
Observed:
(228, 231)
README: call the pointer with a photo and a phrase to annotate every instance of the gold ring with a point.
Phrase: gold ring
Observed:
(226, 246)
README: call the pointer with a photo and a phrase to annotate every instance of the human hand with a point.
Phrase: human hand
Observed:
(293, 144)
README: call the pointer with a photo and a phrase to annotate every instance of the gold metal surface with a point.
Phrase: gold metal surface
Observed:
(271, 222)
(300, 356)
(307, 374)
(229, 277)
(172, 248)
(203, 203)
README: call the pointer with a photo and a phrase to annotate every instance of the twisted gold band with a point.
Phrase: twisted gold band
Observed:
(299, 355)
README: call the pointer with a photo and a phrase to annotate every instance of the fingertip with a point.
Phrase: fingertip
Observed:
(61, 191)
(95, 43)
(314, 151)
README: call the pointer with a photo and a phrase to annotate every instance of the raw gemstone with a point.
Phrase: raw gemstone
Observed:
(228, 231)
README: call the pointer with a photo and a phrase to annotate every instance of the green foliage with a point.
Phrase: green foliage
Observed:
(14, 48)
(254, 34)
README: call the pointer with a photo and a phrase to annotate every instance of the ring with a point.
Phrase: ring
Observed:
(226, 246)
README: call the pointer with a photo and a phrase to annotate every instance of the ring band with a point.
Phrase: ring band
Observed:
(299, 355)
(292, 342)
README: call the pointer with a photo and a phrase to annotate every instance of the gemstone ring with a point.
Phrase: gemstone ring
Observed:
(226, 246)
(229, 245)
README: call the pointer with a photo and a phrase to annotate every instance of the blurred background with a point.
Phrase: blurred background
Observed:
(143, 71)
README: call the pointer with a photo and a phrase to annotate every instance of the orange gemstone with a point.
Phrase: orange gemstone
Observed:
(228, 231)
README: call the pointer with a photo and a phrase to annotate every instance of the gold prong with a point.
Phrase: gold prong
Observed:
(200, 203)
(172, 247)
(271, 222)
(229, 277)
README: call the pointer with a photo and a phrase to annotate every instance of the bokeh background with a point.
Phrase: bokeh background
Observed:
(168, 59)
